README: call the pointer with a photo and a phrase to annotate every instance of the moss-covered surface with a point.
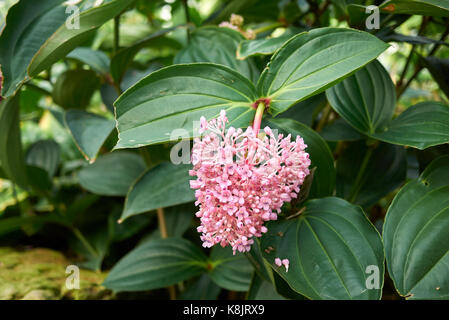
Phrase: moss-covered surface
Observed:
(38, 274)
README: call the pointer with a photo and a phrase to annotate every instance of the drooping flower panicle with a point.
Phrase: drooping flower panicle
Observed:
(243, 180)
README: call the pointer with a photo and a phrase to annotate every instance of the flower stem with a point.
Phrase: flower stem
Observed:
(258, 117)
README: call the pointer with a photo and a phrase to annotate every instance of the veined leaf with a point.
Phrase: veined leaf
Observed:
(28, 25)
(157, 264)
(162, 186)
(366, 100)
(11, 155)
(329, 247)
(232, 272)
(421, 126)
(112, 174)
(89, 131)
(437, 8)
(416, 237)
(311, 62)
(177, 96)
(65, 39)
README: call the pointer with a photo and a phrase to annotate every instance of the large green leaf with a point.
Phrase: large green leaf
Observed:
(311, 62)
(232, 272)
(218, 45)
(112, 174)
(438, 8)
(421, 126)
(28, 25)
(320, 154)
(75, 88)
(369, 109)
(65, 39)
(44, 154)
(89, 131)
(366, 100)
(385, 171)
(329, 247)
(416, 237)
(157, 264)
(174, 97)
(162, 186)
(11, 155)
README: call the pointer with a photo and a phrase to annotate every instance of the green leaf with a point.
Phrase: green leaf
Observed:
(177, 220)
(249, 48)
(187, 92)
(232, 272)
(421, 126)
(44, 154)
(329, 248)
(89, 131)
(162, 186)
(415, 235)
(112, 174)
(217, 45)
(98, 242)
(11, 155)
(97, 60)
(366, 100)
(74, 88)
(306, 110)
(384, 172)
(123, 58)
(156, 264)
(311, 62)
(369, 108)
(64, 40)
(202, 289)
(320, 154)
(28, 25)
(437, 8)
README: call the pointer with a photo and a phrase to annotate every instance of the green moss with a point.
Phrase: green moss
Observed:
(41, 274)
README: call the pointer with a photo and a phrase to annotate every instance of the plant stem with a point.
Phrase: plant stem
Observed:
(356, 187)
(164, 235)
(258, 117)
(326, 113)
(116, 33)
(187, 14)
(84, 241)
(268, 27)
(162, 224)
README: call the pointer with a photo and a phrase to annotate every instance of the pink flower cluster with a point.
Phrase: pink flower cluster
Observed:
(243, 180)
